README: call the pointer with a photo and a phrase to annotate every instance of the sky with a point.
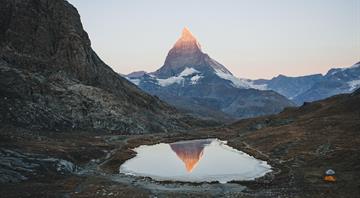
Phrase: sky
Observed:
(252, 38)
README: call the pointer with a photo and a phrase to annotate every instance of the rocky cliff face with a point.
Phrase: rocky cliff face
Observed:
(51, 78)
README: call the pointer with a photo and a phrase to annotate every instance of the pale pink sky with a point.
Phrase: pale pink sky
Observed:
(252, 38)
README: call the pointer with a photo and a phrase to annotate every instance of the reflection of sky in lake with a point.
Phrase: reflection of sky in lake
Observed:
(196, 160)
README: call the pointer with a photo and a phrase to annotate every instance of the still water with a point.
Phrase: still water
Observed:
(203, 160)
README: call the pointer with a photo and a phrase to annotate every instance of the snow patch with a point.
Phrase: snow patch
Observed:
(354, 84)
(235, 81)
(134, 80)
(239, 83)
(258, 86)
(180, 78)
(333, 72)
(195, 79)
(170, 81)
(188, 71)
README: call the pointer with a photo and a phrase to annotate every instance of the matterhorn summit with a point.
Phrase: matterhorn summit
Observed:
(192, 81)
(187, 43)
(187, 53)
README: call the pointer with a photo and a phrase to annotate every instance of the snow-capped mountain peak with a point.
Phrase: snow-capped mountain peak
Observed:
(186, 64)
(187, 52)
(190, 79)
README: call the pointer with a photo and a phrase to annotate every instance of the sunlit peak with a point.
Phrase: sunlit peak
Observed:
(186, 34)
(187, 41)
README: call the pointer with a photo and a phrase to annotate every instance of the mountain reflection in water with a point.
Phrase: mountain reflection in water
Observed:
(190, 152)
(204, 160)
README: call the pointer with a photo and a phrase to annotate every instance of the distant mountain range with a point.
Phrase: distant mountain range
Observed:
(315, 87)
(196, 83)
(303, 88)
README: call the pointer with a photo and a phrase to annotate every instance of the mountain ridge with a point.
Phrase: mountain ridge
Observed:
(314, 87)
(191, 80)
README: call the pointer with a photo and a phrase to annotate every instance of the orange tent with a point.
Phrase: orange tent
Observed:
(329, 178)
